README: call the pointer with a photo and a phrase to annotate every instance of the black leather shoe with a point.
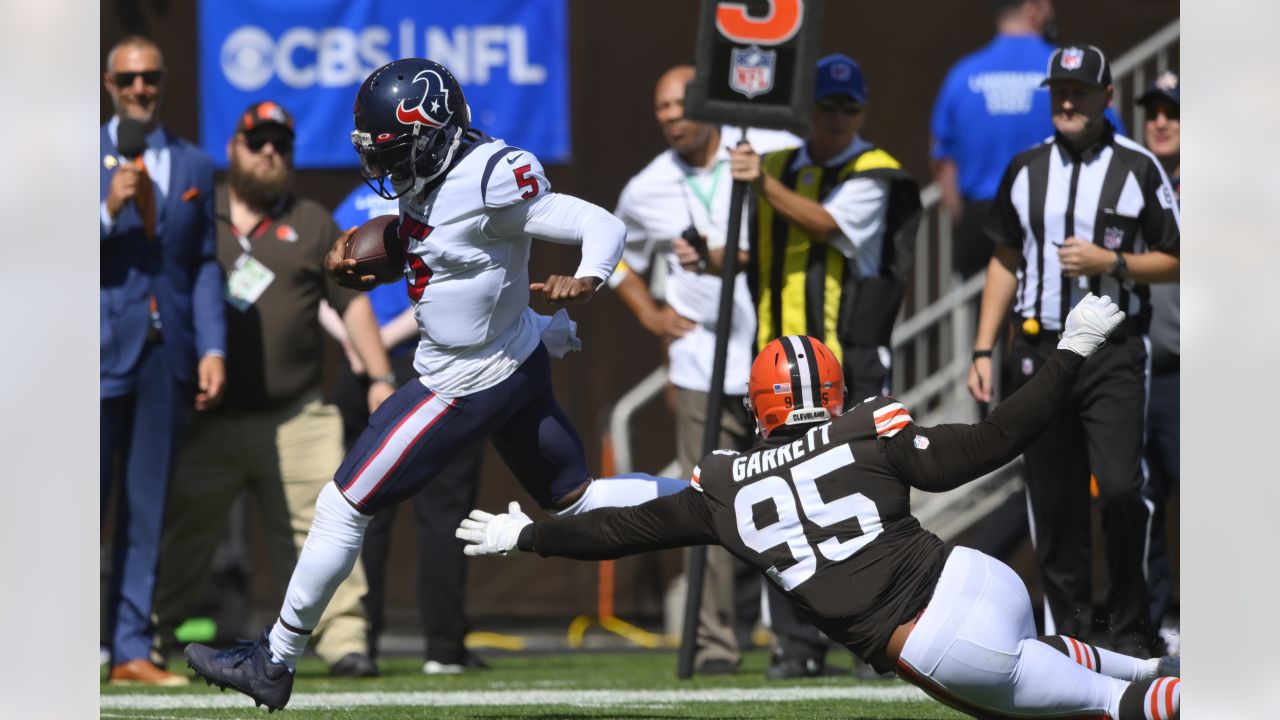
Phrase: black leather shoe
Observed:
(717, 667)
(795, 668)
(246, 668)
(354, 665)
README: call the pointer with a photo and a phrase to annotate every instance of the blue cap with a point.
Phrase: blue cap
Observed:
(1166, 86)
(839, 75)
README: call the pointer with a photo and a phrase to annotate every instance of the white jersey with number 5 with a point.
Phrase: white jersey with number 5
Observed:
(467, 237)
(467, 260)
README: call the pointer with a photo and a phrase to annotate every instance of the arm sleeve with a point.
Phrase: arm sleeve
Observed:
(208, 308)
(637, 247)
(566, 220)
(1003, 225)
(106, 223)
(338, 296)
(858, 206)
(1161, 221)
(955, 454)
(666, 522)
(941, 124)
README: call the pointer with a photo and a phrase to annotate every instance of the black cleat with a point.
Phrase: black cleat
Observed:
(247, 668)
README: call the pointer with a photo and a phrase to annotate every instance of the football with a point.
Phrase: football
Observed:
(377, 249)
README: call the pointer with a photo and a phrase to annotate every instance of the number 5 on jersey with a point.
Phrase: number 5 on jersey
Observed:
(523, 180)
(419, 273)
(789, 530)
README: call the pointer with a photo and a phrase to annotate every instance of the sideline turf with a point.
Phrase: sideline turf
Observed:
(559, 674)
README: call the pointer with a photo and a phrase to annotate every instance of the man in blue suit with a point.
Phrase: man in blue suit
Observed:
(162, 335)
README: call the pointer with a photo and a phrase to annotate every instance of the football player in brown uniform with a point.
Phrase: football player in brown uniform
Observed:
(821, 506)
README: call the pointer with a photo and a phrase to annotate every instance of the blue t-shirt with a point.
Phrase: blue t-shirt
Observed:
(991, 107)
(359, 207)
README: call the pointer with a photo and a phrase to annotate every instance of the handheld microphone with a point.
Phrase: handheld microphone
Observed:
(131, 138)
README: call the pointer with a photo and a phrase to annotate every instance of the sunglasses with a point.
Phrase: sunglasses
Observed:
(843, 105)
(149, 77)
(282, 143)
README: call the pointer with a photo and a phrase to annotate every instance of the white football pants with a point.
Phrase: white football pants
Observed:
(974, 648)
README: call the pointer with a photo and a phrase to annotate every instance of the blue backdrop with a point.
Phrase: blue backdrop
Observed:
(511, 57)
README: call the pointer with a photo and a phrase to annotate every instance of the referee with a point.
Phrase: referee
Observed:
(1085, 211)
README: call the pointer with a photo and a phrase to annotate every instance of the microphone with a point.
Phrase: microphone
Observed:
(131, 138)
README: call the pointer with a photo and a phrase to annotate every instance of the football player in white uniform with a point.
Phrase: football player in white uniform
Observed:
(469, 206)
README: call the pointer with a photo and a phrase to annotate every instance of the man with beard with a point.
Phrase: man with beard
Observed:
(274, 436)
(162, 333)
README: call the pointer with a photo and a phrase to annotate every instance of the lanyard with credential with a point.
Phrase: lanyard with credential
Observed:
(249, 278)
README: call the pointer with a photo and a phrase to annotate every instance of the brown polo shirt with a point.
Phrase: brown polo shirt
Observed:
(274, 348)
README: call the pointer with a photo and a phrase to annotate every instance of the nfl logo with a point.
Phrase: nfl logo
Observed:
(751, 71)
(1072, 58)
(1112, 238)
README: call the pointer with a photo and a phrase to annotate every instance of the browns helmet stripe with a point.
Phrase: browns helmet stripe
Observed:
(804, 364)
(793, 364)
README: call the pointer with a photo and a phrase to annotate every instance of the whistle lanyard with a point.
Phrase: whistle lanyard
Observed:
(705, 196)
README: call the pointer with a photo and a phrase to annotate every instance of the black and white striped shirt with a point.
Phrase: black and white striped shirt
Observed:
(1113, 193)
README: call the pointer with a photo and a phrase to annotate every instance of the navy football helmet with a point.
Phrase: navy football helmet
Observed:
(410, 116)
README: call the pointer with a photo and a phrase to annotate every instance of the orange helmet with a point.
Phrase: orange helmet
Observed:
(795, 380)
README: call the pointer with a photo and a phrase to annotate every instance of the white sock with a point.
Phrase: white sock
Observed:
(327, 558)
(624, 491)
(1103, 661)
(287, 645)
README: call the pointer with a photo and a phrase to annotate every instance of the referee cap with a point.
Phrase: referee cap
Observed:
(1083, 63)
(1166, 86)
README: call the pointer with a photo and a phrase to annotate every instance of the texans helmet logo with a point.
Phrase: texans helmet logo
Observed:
(432, 109)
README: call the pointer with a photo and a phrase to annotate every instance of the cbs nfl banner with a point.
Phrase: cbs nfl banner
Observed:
(511, 57)
(756, 63)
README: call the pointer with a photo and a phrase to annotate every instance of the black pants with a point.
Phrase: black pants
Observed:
(864, 374)
(439, 507)
(1098, 429)
(1163, 414)
(971, 248)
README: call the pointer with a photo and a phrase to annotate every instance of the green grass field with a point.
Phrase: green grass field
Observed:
(584, 684)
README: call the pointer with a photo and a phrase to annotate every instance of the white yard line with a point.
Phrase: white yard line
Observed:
(578, 698)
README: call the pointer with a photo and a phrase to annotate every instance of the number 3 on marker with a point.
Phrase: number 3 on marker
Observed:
(779, 25)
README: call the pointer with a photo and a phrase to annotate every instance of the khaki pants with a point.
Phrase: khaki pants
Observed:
(283, 457)
(716, 639)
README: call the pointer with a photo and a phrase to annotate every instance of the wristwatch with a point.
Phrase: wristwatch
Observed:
(389, 378)
(1119, 267)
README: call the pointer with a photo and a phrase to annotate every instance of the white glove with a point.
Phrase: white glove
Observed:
(1088, 325)
(489, 534)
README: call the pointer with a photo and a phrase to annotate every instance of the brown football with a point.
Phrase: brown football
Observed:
(377, 249)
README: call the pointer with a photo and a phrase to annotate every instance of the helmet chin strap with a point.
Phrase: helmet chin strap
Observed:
(448, 157)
